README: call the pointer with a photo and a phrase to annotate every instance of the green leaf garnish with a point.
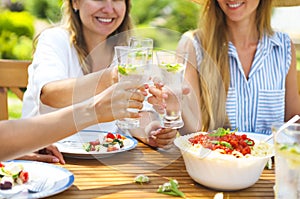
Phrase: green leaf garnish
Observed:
(220, 132)
(141, 179)
(223, 143)
(171, 188)
(249, 142)
(87, 147)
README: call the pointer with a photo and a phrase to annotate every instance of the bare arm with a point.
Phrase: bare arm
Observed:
(191, 102)
(76, 90)
(19, 137)
(292, 98)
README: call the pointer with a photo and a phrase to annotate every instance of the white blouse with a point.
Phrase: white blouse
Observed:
(55, 58)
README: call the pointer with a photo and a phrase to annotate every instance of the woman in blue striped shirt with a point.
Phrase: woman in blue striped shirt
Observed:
(243, 73)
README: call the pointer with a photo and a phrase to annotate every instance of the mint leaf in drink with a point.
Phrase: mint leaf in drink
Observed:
(122, 70)
(171, 67)
(126, 70)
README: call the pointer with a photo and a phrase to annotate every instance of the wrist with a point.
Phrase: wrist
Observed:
(84, 114)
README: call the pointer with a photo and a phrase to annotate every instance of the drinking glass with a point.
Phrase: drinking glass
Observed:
(144, 42)
(141, 42)
(172, 66)
(132, 66)
(287, 161)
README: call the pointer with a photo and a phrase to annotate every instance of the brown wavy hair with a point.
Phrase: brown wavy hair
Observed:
(72, 23)
(214, 69)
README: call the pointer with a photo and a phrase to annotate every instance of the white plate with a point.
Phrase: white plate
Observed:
(72, 146)
(58, 180)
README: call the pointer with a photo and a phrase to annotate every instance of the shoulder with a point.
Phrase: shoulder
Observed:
(190, 35)
(282, 48)
(55, 34)
(281, 35)
(190, 39)
(281, 39)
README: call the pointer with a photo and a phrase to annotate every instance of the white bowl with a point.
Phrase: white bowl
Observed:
(220, 171)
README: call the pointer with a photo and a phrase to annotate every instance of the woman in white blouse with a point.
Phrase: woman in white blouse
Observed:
(72, 61)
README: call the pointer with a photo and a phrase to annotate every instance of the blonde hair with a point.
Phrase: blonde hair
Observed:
(72, 23)
(214, 75)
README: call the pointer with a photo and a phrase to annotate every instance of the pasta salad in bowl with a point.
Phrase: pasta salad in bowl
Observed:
(224, 160)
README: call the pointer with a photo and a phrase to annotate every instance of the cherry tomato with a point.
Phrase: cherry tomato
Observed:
(24, 176)
(110, 135)
(118, 136)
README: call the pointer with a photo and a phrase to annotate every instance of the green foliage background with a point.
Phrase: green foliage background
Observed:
(16, 33)
(162, 20)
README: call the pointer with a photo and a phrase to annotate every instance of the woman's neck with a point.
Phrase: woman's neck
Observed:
(243, 34)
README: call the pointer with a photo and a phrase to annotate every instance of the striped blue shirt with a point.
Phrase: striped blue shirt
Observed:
(253, 104)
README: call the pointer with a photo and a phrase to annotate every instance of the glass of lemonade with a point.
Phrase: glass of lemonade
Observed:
(172, 66)
(287, 161)
(132, 66)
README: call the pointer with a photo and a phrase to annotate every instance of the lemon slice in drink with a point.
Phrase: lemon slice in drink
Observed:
(292, 154)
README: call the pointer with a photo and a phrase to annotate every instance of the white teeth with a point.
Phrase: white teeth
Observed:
(235, 5)
(105, 20)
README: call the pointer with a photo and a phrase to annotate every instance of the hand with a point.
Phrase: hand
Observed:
(159, 95)
(113, 103)
(49, 154)
(160, 137)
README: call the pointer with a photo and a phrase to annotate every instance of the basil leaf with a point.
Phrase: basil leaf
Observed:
(220, 132)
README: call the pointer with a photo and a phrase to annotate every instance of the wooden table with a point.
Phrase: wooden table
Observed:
(113, 177)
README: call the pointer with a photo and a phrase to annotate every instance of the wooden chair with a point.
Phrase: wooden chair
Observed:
(13, 76)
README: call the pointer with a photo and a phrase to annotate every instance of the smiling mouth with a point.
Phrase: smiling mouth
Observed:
(105, 20)
(235, 5)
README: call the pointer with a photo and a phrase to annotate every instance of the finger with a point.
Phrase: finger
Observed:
(165, 134)
(46, 158)
(185, 90)
(55, 152)
(40, 158)
(135, 104)
(162, 143)
(157, 82)
(132, 115)
(157, 92)
(127, 85)
(155, 102)
(137, 96)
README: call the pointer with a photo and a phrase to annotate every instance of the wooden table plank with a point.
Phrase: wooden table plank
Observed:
(113, 177)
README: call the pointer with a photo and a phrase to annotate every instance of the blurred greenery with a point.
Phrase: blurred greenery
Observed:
(16, 33)
(49, 10)
(14, 106)
(162, 20)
